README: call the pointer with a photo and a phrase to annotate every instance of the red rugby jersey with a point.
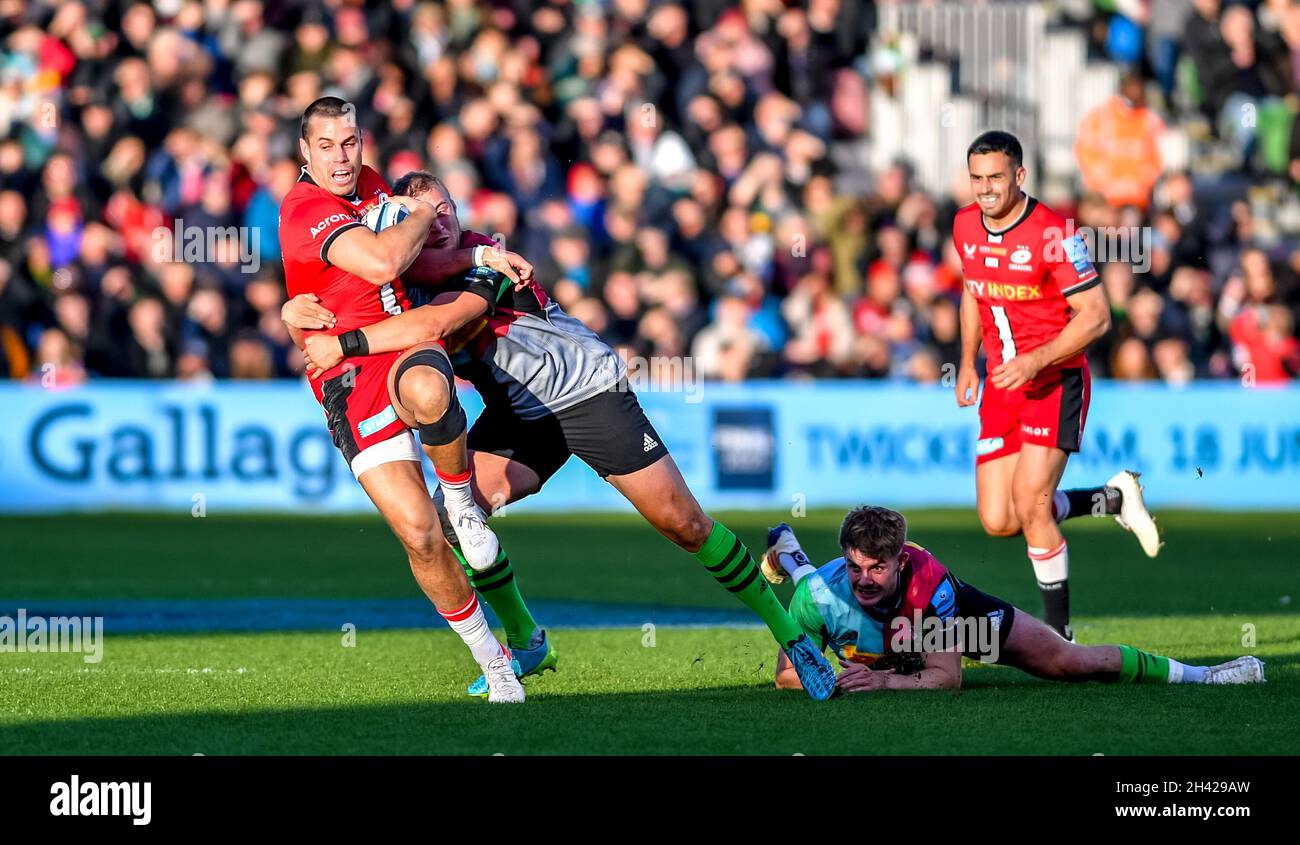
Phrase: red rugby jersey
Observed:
(1020, 276)
(310, 219)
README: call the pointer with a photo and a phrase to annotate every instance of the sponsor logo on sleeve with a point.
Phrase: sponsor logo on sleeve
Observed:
(1076, 251)
(327, 222)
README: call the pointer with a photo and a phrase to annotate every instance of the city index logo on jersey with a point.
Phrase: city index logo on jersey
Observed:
(1003, 291)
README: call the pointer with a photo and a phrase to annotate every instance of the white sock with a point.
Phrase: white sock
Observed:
(1060, 506)
(799, 572)
(472, 626)
(1181, 673)
(795, 564)
(456, 490)
(1051, 566)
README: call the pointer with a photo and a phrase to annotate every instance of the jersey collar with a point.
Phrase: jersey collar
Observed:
(1030, 205)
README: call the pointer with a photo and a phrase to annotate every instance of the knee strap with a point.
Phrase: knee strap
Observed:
(453, 421)
(448, 428)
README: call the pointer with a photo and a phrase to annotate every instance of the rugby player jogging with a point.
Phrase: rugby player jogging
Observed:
(552, 388)
(1033, 298)
(356, 273)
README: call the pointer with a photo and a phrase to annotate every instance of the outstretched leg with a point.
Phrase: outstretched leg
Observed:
(1035, 648)
(660, 494)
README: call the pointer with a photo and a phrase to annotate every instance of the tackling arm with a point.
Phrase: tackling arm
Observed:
(447, 313)
(435, 266)
(942, 671)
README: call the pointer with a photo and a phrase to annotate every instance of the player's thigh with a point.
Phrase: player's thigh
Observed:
(420, 376)
(398, 490)
(611, 433)
(513, 457)
(1034, 647)
(993, 494)
(996, 454)
(659, 493)
(1037, 474)
(498, 480)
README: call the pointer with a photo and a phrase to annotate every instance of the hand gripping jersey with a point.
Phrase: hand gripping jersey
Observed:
(1020, 276)
(354, 394)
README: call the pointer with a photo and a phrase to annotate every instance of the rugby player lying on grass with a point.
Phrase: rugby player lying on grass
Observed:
(868, 605)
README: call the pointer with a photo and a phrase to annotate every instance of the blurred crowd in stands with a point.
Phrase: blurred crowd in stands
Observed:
(688, 178)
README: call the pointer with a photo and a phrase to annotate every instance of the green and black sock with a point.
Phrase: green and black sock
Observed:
(499, 589)
(728, 560)
(1140, 667)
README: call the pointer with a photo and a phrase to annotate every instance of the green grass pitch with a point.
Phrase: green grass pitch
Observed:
(1222, 582)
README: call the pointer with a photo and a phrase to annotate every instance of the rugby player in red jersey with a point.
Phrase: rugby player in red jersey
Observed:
(899, 619)
(1034, 299)
(355, 273)
(552, 389)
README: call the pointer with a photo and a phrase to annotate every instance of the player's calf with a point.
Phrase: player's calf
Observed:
(1032, 495)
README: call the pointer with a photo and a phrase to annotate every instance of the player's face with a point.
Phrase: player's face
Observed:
(445, 231)
(333, 153)
(874, 580)
(995, 183)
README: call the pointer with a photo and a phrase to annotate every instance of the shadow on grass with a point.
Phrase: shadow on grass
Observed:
(999, 711)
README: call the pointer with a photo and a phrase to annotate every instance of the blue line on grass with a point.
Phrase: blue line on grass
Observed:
(190, 615)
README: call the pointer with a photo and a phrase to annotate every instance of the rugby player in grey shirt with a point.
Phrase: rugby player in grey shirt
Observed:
(552, 388)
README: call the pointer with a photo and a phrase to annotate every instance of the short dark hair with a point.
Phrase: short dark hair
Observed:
(325, 107)
(873, 531)
(997, 141)
(418, 182)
